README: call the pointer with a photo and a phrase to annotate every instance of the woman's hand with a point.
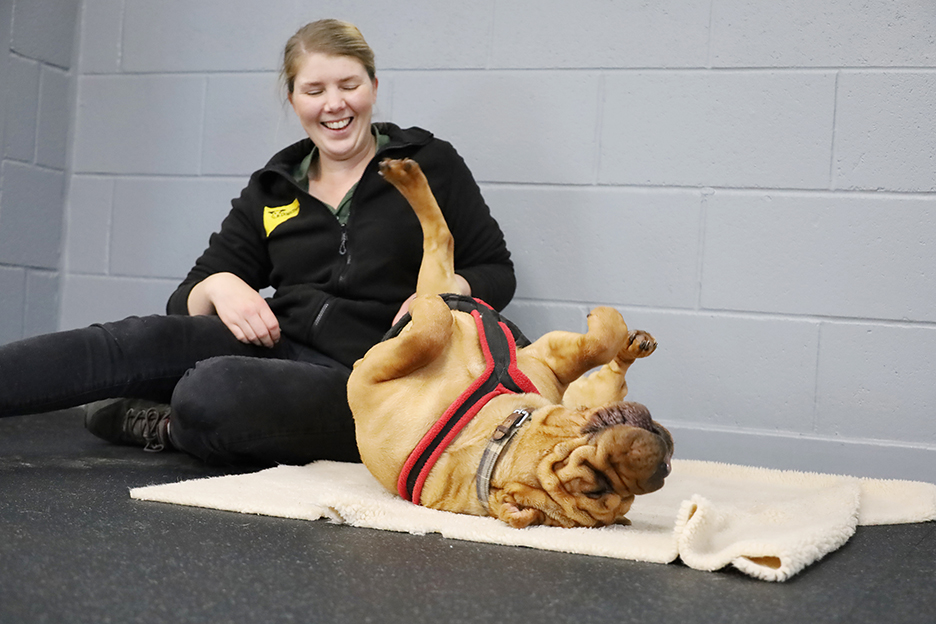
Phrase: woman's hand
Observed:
(464, 288)
(240, 308)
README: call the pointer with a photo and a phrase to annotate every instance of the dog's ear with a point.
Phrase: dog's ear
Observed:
(505, 507)
(520, 518)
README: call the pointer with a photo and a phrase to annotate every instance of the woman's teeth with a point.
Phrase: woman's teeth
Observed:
(337, 125)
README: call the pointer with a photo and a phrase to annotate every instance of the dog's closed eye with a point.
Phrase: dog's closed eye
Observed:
(603, 487)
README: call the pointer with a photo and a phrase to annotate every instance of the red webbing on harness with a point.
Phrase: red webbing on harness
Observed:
(460, 412)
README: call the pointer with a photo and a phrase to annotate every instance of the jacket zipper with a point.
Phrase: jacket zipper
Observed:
(318, 317)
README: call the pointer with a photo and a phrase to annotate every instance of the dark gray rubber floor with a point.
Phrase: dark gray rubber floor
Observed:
(75, 548)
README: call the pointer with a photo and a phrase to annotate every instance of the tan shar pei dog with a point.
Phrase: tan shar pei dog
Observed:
(453, 412)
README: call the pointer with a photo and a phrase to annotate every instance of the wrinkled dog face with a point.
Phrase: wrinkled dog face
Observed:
(590, 479)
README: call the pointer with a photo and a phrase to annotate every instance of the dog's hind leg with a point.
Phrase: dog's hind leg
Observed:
(607, 384)
(437, 271)
(420, 342)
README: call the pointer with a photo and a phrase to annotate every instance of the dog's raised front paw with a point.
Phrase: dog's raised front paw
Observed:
(400, 172)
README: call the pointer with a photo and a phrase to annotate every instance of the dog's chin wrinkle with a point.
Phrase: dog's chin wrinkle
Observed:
(624, 413)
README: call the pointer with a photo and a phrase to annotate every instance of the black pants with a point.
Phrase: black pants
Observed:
(232, 402)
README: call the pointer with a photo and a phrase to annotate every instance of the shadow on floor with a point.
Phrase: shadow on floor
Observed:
(75, 548)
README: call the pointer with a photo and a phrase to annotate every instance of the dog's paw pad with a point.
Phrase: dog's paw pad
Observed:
(640, 344)
(398, 171)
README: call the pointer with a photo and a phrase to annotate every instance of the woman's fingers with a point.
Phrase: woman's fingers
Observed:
(403, 309)
(251, 321)
(262, 328)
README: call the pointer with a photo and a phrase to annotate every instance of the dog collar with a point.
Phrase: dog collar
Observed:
(492, 452)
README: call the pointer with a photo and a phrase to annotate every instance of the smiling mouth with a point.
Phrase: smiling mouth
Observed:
(340, 124)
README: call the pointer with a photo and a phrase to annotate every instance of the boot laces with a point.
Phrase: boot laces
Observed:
(146, 424)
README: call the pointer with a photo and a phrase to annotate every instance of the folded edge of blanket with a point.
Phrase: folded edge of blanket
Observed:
(759, 540)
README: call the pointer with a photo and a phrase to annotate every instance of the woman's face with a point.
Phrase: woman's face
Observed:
(333, 97)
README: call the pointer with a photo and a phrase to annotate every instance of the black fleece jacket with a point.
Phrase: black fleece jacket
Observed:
(338, 287)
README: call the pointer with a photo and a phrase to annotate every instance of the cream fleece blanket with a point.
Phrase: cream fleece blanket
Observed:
(769, 524)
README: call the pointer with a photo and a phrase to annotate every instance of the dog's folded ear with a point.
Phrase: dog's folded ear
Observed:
(506, 507)
(520, 518)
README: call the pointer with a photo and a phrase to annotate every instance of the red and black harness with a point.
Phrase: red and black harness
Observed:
(499, 339)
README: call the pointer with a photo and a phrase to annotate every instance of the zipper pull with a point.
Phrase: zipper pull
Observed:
(343, 247)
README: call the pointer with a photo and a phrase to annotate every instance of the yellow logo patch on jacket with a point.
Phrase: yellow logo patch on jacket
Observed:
(275, 215)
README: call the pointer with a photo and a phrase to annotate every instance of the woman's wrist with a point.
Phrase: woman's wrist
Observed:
(199, 300)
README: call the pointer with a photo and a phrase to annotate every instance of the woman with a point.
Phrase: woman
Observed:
(231, 377)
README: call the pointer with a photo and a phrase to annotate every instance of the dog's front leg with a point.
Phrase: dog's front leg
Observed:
(569, 355)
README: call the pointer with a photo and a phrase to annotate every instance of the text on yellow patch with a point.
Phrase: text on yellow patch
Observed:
(275, 215)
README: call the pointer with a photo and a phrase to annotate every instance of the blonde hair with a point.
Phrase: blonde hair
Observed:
(327, 36)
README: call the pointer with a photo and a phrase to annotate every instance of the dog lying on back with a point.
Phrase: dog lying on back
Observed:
(528, 440)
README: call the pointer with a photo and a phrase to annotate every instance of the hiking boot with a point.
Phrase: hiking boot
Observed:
(133, 422)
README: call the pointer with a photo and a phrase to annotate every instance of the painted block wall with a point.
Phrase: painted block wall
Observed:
(35, 112)
(754, 183)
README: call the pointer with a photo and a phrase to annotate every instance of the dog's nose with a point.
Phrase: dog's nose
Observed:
(656, 481)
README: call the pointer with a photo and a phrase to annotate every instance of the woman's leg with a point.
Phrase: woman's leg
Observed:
(242, 410)
(140, 357)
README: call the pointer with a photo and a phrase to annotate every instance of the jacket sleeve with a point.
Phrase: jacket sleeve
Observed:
(481, 254)
(237, 248)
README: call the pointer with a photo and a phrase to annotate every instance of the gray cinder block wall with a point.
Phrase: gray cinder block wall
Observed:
(754, 183)
(36, 108)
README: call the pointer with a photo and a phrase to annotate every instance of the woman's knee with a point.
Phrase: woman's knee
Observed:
(234, 408)
(208, 393)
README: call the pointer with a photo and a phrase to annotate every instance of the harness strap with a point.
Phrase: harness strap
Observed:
(501, 376)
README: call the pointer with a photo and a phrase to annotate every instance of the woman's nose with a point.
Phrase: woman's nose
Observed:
(334, 100)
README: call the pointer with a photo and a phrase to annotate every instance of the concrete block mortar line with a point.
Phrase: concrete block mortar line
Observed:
(35, 141)
(201, 127)
(73, 86)
(117, 175)
(489, 62)
(35, 165)
(738, 314)
(599, 125)
(888, 70)
(610, 70)
(705, 193)
(18, 55)
(817, 379)
(117, 277)
(814, 318)
(711, 35)
(711, 190)
(162, 73)
(832, 150)
(109, 234)
(120, 35)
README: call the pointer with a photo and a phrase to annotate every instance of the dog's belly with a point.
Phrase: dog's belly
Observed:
(391, 417)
